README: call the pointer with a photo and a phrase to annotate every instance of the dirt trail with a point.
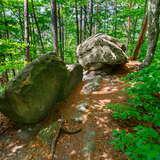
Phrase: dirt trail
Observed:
(80, 110)
(97, 123)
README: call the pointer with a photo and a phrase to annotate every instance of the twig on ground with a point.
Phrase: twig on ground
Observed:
(60, 130)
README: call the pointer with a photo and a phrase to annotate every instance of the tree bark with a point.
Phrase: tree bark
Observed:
(60, 32)
(85, 22)
(106, 17)
(153, 31)
(37, 25)
(21, 23)
(54, 25)
(5, 22)
(129, 26)
(91, 17)
(141, 38)
(77, 23)
(26, 30)
(81, 23)
(63, 38)
(33, 37)
(115, 19)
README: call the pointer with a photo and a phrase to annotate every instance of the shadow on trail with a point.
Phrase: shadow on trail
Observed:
(96, 122)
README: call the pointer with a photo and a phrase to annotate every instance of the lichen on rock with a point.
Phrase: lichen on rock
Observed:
(35, 91)
(100, 51)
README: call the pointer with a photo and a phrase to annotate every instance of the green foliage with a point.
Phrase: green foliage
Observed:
(46, 134)
(11, 55)
(108, 17)
(144, 106)
(142, 144)
(124, 112)
(144, 85)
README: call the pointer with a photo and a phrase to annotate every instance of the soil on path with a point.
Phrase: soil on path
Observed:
(81, 110)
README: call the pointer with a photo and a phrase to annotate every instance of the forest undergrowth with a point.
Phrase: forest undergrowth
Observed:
(142, 141)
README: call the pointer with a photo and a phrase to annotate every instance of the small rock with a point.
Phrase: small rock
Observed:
(65, 157)
(92, 85)
(82, 107)
(88, 75)
(78, 119)
(19, 131)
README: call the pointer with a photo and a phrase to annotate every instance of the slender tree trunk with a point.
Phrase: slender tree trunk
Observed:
(133, 33)
(13, 70)
(26, 30)
(85, 22)
(54, 25)
(142, 33)
(129, 26)
(63, 37)
(77, 23)
(153, 31)
(106, 17)
(32, 32)
(60, 32)
(96, 21)
(81, 23)
(141, 38)
(5, 23)
(5, 74)
(21, 23)
(1, 15)
(115, 19)
(37, 25)
(91, 17)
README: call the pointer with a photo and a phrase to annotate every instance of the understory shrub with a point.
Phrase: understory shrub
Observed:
(143, 106)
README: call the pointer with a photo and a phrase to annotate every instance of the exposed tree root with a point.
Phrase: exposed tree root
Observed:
(61, 130)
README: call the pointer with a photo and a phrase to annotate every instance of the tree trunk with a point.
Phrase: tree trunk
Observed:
(91, 17)
(115, 19)
(7, 37)
(37, 25)
(77, 23)
(33, 37)
(54, 25)
(106, 17)
(21, 23)
(5, 22)
(153, 31)
(96, 24)
(26, 30)
(129, 26)
(81, 23)
(60, 32)
(141, 38)
(85, 22)
(133, 33)
(63, 37)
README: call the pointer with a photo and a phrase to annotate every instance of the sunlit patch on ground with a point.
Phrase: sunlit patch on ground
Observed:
(97, 124)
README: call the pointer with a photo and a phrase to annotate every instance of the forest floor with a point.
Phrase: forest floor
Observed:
(84, 109)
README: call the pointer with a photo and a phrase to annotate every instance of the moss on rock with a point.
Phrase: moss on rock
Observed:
(31, 95)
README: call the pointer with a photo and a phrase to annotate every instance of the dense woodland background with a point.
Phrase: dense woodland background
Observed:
(34, 24)
(31, 28)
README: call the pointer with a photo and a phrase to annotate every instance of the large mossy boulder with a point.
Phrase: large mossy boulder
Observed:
(76, 75)
(35, 91)
(100, 51)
